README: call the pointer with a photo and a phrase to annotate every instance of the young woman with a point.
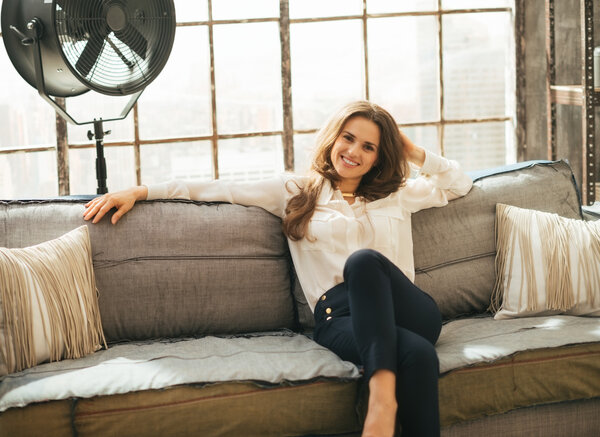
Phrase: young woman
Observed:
(348, 225)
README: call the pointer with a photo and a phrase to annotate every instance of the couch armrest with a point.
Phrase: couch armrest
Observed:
(591, 213)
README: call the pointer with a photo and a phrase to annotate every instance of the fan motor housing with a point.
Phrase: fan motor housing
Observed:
(59, 79)
(115, 47)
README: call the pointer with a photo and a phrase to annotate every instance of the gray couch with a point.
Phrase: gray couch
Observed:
(209, 333)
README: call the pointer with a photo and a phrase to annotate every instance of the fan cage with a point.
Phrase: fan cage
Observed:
(115, 62)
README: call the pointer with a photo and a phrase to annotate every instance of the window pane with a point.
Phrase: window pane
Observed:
(478, 66)
(404, 66)
(240, 9)
(191, 10)
(163, 162)
(383, 6)
(248, 159)
(248, 77)
(424, 136)
(320, 8)
(476, 4)
(177, 103)
(120, 169)
(304, 145)
(25, 118)
(480, 145)
(28, 175)
(327, 69)
(91, 105)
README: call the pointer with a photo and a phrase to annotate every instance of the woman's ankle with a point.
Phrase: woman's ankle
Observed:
(381, 419)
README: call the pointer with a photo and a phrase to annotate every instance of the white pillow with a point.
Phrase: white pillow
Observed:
(48, 303)
(545, 264)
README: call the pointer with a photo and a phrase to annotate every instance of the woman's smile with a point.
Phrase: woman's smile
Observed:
(355, 151)
(349, 162)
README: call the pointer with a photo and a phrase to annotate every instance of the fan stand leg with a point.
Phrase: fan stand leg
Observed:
(100, 161)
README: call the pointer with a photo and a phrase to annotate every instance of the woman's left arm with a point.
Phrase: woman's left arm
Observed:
(414, 153)
(440, 179)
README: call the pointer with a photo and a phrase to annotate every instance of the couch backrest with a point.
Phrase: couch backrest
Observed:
(173, 268)
(179, 268)
(454, 246)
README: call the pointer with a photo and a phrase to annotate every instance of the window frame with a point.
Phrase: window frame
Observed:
(516, 118)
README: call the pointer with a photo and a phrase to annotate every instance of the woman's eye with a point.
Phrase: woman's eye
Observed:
(369, 147)
(347, 137)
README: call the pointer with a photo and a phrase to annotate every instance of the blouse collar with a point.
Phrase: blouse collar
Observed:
(330, 195)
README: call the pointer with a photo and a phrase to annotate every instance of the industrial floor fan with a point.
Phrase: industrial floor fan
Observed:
(64, 48)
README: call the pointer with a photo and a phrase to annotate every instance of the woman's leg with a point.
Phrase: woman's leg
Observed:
(417, 385)
(382, 407)
(395, 326)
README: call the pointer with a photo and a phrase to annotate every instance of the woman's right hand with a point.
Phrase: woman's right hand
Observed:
(123, 201)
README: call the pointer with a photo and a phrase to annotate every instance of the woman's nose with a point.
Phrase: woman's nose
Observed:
(353, 149)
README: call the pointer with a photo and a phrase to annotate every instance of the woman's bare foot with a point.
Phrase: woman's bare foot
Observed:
(381, 412)
(380, 420)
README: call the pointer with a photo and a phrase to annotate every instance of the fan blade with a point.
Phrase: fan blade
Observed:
(131, 37)
(90, 54)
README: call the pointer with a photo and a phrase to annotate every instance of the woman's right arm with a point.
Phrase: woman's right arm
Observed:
(269, 194)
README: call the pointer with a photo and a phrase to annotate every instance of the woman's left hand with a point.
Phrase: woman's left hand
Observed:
(414, 153)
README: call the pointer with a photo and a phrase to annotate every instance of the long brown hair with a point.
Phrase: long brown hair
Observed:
(387, 175)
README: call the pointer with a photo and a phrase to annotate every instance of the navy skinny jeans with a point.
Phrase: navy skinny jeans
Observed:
(379, 319)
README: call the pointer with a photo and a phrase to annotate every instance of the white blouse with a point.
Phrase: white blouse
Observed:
(337, 229)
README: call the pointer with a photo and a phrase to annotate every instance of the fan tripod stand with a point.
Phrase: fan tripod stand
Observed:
(99, 133)
(35, 29)
(64, 48)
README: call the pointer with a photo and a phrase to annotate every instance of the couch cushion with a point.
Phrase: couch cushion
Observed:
(224, 409)
(271, 358)
(573, 418)
(492, 366)
(470, 341)
(173, 268)
(454, 246)
(49, 419)
(528, 378)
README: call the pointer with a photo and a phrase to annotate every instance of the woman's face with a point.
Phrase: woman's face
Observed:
(355, 150)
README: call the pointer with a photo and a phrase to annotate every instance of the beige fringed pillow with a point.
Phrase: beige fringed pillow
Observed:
(48, 303)
(545, 264)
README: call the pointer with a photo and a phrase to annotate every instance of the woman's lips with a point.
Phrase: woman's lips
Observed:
(349, 162)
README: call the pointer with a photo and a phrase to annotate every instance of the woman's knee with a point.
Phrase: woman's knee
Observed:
(362, 259)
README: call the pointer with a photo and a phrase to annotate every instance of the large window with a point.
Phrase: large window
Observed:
(249, 83)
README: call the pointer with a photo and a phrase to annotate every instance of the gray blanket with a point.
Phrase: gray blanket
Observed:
(470, 341)
(270, 358)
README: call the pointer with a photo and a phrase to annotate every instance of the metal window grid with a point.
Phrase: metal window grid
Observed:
(288, 131)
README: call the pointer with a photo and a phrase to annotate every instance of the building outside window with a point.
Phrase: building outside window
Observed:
(445, 69)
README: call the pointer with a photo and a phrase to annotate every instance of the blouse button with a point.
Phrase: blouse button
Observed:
(323, 297)
(328, 310)
(328, 318)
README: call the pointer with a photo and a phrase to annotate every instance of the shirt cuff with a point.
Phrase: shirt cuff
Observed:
(157, 191)
(433, 163)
